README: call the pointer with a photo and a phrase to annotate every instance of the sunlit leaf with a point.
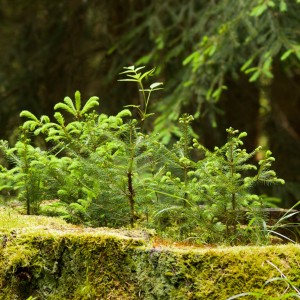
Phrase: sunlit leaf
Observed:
(156, 84)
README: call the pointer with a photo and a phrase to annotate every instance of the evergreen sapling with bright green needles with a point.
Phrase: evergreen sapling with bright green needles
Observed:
(108, 171)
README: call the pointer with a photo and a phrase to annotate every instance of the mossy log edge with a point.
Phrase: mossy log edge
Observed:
(55, 262)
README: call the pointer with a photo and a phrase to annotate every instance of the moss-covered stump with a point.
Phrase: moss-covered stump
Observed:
(47, 259)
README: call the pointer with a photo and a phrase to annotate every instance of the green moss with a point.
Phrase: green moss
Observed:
(49, 259)
(215, 273)
(9, 220)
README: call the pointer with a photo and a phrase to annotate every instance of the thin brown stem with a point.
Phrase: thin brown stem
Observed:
(131, 195)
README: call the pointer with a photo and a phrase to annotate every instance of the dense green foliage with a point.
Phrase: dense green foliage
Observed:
(228, 63)
(106, 171)
(208, 50)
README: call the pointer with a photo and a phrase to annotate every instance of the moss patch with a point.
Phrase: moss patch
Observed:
(216, 273)
(49, 259)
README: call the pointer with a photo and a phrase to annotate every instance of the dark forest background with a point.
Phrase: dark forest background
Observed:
(228, 62)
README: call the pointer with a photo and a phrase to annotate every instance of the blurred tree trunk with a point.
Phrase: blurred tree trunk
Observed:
(240, 110)
(283, 128)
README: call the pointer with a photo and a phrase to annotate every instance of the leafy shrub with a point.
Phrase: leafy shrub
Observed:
(108, 171)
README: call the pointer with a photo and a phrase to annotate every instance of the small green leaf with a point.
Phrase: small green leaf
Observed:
(268, 153)
(242, 135)
(211, 50)
(134, 80)
(286, 54)
(70, 103)
(216, 94)
(255, 76)
(247, 64)
(126, 72)
(77, 100)
(267, 63)
(29, 115)
(156, 84)
(91, 103)
(148, 73)
(124, 113)
(45, 119)
(145, 59)
(139, 68)
(268, 74)
(258, 10)
(65, 107)
(251, 70)
(148, 115)
(30, 125)
(282, 6)
(190, 58)
(58, 116)
(137, 76)
(132, 105)
(37, 131)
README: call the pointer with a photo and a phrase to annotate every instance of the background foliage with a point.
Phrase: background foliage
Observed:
(227, 63)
